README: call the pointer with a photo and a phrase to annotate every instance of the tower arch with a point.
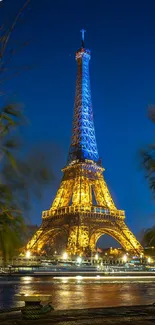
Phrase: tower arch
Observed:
(125, 241)
(47, 240)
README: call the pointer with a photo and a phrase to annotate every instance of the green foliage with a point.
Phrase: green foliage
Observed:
(149, 237)
(147, 156)
(10, 119)
(148, 164)
(31, 173)
(23, 176)
(11, 228)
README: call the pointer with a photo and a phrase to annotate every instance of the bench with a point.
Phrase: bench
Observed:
(34, 298)
(33, 308)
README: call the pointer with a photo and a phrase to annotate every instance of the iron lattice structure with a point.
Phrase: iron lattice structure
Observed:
(83, 208)
(83, 142)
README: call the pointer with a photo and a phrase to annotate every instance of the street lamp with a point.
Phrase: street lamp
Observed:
(65, 256)
(149, 260)
(96, 256)
(124, 258)
(28, 254)
(79, 260)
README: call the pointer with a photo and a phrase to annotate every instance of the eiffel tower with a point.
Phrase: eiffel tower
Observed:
(83, 208)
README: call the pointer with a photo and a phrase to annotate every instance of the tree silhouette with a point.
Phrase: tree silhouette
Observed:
(21, 176)
(147, 156)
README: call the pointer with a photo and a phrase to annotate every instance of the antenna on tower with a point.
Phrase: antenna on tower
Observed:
(83, 31)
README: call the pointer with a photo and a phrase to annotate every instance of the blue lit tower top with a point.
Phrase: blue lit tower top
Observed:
(83, 142)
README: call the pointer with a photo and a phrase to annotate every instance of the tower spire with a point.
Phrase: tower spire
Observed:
(83, 142)
(82, 32)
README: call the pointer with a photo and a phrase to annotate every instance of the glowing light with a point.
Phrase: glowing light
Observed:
(27, 279)
(79, 260)
(28, 254)
(124, 258)
(149, 259)
(65, 280)
(79, 277)
(65, 256)
(96, 256)
(113, 277)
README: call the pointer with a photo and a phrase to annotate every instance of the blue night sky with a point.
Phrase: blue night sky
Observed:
(121, 37)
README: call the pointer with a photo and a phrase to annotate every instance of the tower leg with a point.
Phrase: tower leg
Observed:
(78, 241)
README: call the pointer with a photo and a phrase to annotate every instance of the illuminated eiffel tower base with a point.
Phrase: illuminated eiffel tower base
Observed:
(83, 208)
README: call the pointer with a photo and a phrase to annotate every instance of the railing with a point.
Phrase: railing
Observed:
(84, 209)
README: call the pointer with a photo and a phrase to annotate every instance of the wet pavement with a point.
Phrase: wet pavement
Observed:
(135, 315)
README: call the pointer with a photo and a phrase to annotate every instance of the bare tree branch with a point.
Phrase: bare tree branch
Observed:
(7, 71)
(11, 29)
(16, 73)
